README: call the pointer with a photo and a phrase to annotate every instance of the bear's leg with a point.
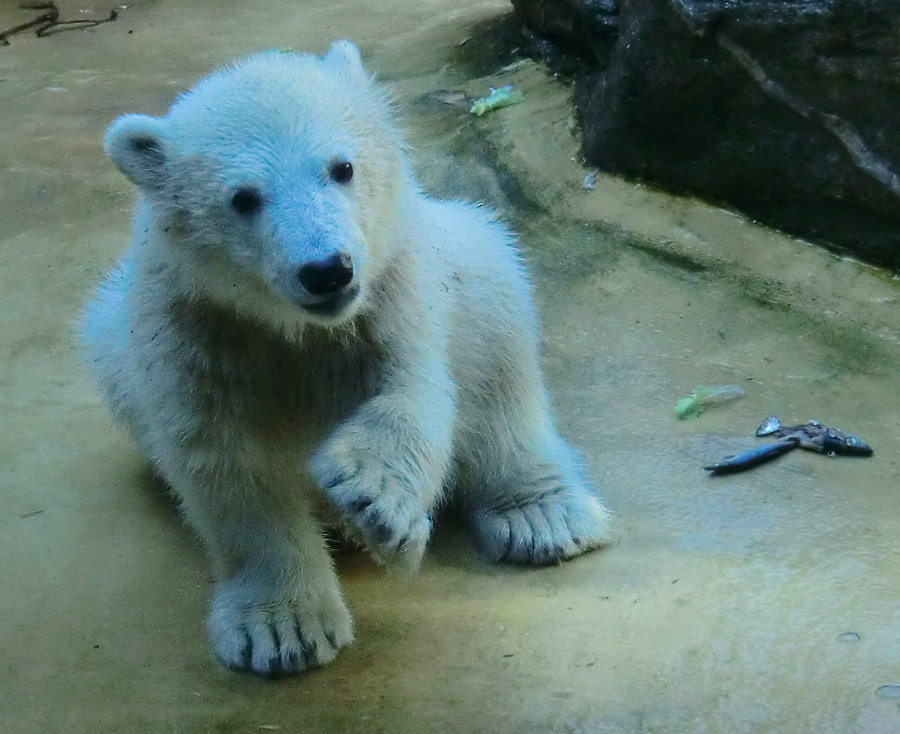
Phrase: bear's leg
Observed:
(527, 496)
(277, 606)
(384, 468)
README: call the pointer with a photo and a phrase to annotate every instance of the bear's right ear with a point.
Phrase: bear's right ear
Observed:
(135, 143)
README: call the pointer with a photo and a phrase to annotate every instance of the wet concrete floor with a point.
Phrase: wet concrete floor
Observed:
(723, 605)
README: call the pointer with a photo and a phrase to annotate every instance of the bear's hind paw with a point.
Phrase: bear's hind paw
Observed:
(539, 530)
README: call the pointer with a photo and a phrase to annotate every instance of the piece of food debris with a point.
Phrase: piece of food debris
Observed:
(502, 97)
(703, 396)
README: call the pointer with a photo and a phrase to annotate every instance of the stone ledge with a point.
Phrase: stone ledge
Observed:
(787, 110)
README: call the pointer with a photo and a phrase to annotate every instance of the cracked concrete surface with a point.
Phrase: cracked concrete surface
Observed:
(721, 603)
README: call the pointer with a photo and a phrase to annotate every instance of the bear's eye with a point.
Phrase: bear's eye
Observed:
(342, 172)
(246, 201)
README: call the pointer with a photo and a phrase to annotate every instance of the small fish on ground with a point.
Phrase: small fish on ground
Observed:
(753, 457)
(812, 436)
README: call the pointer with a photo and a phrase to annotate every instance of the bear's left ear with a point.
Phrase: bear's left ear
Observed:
(345, 55)
(136, 144)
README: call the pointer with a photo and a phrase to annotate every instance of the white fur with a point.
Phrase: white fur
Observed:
(260, 414)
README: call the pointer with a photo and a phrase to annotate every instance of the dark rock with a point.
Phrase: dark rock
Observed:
(587, 26)
(788, 110)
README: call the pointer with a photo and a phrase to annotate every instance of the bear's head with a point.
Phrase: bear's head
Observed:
(273, 185)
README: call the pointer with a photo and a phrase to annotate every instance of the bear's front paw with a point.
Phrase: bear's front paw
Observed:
(544, 528)
(381, 504)
(279, 637)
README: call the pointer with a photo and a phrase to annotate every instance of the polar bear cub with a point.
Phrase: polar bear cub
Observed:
(297, 330)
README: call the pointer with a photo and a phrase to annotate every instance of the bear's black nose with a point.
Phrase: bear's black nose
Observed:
(327, 277)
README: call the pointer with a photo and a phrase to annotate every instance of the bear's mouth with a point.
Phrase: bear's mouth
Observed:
(333, 305)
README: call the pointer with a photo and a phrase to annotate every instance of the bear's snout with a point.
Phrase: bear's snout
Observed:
(328, 276)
